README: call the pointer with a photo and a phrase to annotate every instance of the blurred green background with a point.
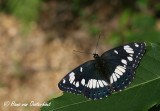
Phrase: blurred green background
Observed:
(37, 36)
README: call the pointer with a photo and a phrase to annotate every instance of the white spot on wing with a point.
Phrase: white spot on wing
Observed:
(117, 75)
(136, 45)
(114, 77)
(104, 83)
(124, 61)
(71, 77)
(100, 83)
(71, 74)
(83, 82)
(115, 51)
(130, 58)
(128, 49)
(111, 80)
(74, 83)
(121, 68)
(97, 85)
(81, 69)
(118, 71)
(64, 81)
(94, 83)
(131, 55)
(90, 83)
(77, 84)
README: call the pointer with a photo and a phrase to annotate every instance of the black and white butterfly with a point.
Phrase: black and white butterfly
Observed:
(113, 71)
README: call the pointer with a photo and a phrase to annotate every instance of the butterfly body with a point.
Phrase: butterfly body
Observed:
(101, 67)
(113, 71)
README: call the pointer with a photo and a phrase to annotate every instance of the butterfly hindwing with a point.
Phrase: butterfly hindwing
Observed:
(122, 62)
(97, 87)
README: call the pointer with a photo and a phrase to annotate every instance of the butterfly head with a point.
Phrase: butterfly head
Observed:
(95, 56)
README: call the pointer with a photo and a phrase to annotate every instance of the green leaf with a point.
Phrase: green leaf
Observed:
(142, 94)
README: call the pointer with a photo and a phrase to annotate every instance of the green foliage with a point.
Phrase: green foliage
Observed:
(135, 27)
(142, 94)
(26, 10)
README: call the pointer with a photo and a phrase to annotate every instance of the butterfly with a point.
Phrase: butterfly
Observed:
(113, 71)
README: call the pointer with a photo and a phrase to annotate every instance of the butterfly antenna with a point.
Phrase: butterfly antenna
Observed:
(97, 42)
(82, 52)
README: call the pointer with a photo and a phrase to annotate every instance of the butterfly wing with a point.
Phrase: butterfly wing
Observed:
(122, 62)
(85, 80)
